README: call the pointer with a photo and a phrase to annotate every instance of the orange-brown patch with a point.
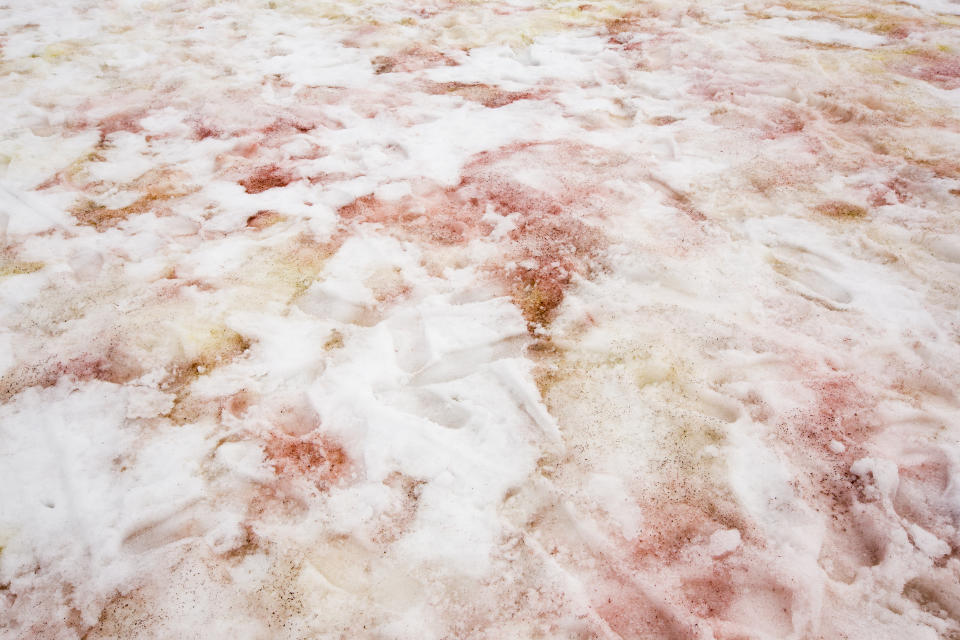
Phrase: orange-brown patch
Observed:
(263, 219)
(842, 210)
(157, 187)
(662, 121)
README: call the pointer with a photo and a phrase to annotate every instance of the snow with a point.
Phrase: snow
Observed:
(479, 320)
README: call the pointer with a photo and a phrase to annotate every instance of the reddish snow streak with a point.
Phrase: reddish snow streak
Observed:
(941, 69)
(266, 177)
(124, 121)
(550, 241)
(202, 130)
(112, 365)
(438, 216)
(312, 457)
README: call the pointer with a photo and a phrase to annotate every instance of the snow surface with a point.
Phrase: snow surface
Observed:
(498, 320)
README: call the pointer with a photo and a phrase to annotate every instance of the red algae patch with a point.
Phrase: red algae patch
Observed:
(316, 459)
(266, 177)
(936, 67)
(396, 522)
(841, 411)
(662, 121)
(630, 613)
(550, 251)
(128, 121)
(490, 96)
(737, 433)
(440, 216)
(202, 130)
(550, 241)
(923, 494)
(783, 122)
(114, 365)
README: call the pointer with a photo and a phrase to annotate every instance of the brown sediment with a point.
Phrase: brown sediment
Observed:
(784, 121)
(335, 341)
(538, 299)
(100, 217)
(222, 346)
(552, 240)
(263, 219)
(122, 612)
(71, 174)
(840, 209)
(632, 21)
(937, 594)
(90, 213)
(18, 267)
(298, 265)
(662, 121)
